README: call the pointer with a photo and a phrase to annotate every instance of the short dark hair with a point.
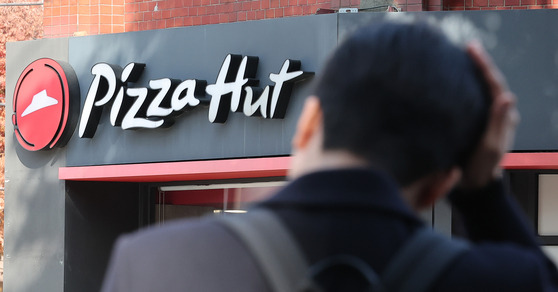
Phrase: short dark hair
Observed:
(404, 97)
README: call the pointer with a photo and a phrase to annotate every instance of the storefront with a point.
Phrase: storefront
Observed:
(182, 122)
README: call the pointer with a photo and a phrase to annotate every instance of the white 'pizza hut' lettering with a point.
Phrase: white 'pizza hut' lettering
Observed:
(234, 90)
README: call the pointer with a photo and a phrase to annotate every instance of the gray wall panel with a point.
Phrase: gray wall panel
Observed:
(34, 213)
(524, 44)
(528, 54)
(198, 52)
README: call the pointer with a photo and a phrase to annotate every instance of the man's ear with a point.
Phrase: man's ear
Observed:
(308, 123)
(437, 186)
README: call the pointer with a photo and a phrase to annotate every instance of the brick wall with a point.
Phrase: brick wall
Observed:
(81, 17)
(499, 4)
(142, 15)
(85, 17)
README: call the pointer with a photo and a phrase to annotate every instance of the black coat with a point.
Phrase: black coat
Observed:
(357, 212)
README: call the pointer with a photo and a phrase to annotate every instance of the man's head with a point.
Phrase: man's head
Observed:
(404, 99)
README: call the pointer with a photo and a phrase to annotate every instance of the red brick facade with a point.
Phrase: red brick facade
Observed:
(86, 17)
(142, 15)
(80, 17)
(499, 4)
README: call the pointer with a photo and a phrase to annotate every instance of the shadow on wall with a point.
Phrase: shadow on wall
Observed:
(34, 229)
(96, 214)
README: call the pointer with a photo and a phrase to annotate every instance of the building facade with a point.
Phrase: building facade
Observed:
(63, 18)
(144, 133)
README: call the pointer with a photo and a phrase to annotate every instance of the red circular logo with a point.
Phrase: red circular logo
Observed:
(46, 105)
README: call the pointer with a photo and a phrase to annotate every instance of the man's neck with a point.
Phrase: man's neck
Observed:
(308, 162)
(324, 160)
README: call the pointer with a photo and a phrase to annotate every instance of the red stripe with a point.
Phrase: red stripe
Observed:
(542, 160)
(180, 171)
(242, 168)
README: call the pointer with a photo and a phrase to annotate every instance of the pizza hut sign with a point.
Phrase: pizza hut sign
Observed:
(235, 90)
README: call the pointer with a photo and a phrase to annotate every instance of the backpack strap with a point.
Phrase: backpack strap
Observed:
(418, 264)
(275, 250)
(421, 261)
(354, 263)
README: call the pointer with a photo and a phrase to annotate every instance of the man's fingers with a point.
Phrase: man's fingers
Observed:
(503, 118)
(502, 115)
(501, 125)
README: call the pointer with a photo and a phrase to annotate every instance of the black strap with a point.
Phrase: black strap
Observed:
(421, 261)
(357, 265)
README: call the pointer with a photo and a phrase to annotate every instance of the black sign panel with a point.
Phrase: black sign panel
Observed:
(210, 92)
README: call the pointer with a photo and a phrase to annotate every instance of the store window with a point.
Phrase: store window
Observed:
(537, 193)
(547, 206)
(188, 201)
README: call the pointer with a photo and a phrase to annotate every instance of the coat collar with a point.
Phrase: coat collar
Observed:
(350, 189)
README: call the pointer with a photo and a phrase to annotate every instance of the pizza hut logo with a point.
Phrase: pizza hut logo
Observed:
(46, 105)
(236, 89)
(47, 98)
